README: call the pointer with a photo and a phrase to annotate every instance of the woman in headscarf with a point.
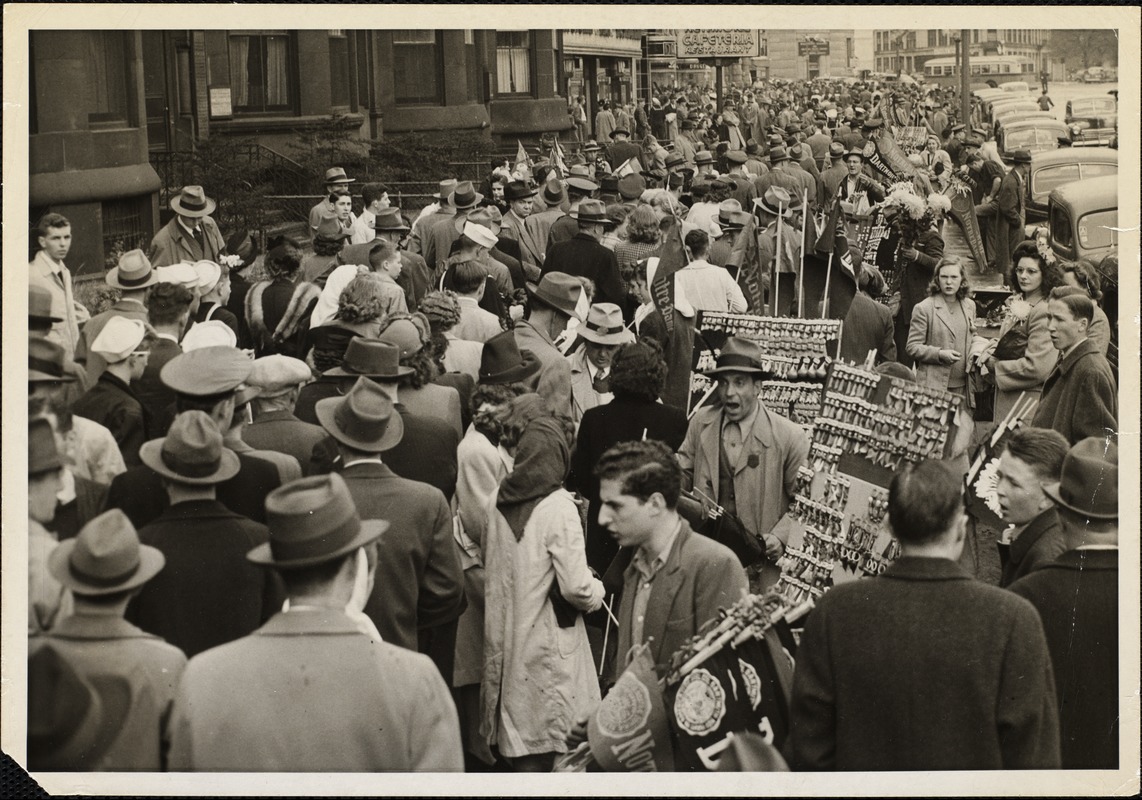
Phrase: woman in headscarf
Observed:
(538, 674)
(278, 309)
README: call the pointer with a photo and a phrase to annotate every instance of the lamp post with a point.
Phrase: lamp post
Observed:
(965, 79)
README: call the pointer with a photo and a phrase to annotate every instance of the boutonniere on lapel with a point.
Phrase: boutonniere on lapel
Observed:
(754, 461)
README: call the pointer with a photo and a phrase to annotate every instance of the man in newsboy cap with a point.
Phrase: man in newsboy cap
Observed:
(314, 689)
(279, 379)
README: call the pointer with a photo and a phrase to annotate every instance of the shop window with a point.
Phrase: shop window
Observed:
(416, 67)
(260, 72)
(339, 69)
(513, 62)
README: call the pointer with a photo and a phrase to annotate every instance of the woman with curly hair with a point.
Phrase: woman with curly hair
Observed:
(942, 338)
(452, 353)
(643, 237)
(357, 311)
(278, 309)
(638, 375)
(1023, 356)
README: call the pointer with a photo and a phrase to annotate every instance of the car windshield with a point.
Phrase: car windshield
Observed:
(1095, 105)
(1098, 229)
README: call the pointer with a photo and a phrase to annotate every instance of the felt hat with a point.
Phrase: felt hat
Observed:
(406, 335)
(501, 361)
(836, 149)
(484, 216)
(737, 221)
(45, 362)
(106, 557)
(553, 193)
(752, 148)
(1089, 480)
(208, 273)
(609, 185)
(579, 171)
(119, 338)
(559, 290)
(604, 325)
(313, 521)
(389, 219)
(40, 306)
(797, 152)
(134, 272)
(776, 201)
(182, 273)
(43, 456)
(592, 146)
(337, 175)
(519, 190)
(445, 188)
(738, 355)
(464, 196)
(364, 419)
(620, 131)
(777, 153)
(211, 333)
(704, 157)
(192, 202)
(590, 211)
(207, 372)
(73, 720)
(277, 374)
(631, 187)
(1021, 157)
(329, 227)
(480, 234)
(191, 452)
(372, 359)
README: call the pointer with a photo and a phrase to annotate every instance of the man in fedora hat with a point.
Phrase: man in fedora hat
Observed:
(191, 235)
(133, 278)
(211, 380)
(986, 657)
(124, 345)
(779, 174)
(48, 599)
(419, 593)
(335, 179)
(584, 256)
(1077, 599)
(519, 196)
(47, 271)
(41, 320)
(829, 182)
(1011, 210)
(1080, 396)
(537, 226)
(375, 196)
(437, 211)
(743, 455)
(438, 240)
(103, 567)
(602, 333)
(279, 380)
(208, 594)
(579, 188)
(731, 221)
(313, 690)
(621, 149)
(555, 300)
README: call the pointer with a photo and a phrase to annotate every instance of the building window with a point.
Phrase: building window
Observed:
(513, 62)
(108, 84)
(260, 72)
(338, 69)
(126, 226)
(416, 67)
(933, 38)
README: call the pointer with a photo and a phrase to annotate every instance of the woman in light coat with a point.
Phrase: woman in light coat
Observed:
(942, 339)
(538, 675)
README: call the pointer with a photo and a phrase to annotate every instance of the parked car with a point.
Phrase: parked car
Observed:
(1007, 115)
(1015, 86)
(1083, 218)
(1054, 168)
(1032, 135)
(1093, 120)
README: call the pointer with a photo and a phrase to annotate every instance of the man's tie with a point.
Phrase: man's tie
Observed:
(198, 238)
(601, 384)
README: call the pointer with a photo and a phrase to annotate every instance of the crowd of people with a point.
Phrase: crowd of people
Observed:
(400, 494)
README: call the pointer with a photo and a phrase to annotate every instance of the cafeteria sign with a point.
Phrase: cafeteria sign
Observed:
(718, 44)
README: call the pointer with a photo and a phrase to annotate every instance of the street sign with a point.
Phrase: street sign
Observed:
(812, 48)
(736, 43)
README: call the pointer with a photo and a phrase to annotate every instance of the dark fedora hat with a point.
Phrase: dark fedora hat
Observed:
(559, 290)
(370, 358)
(192, 202)
(312, 521)
(40, 306)
(1021, 157)
(553, 193)
(43, 456)
(519, 190)
(364, 419)
(503, 362)
(465, 196)
(45, 362)
(390, 219)
(738, 355)
(106, 557)
(1089, 480)
(777, 154)
(191, 452)
(590, 211)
